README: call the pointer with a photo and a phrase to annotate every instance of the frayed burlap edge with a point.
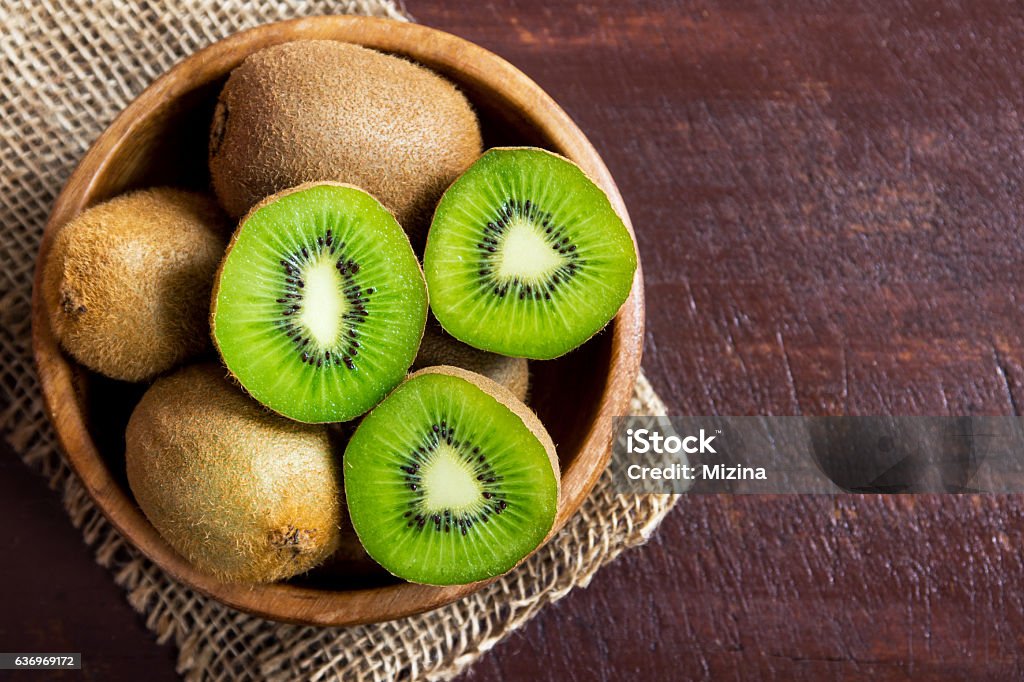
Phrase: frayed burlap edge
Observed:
(68, 68)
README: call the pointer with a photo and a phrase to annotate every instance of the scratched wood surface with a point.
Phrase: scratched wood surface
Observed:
(826, 196)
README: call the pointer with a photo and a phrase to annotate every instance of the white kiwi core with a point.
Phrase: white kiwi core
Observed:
(525, 253)
(448, 483)
(323, 302)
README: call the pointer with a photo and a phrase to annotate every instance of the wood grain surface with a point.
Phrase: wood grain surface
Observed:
(826, 196)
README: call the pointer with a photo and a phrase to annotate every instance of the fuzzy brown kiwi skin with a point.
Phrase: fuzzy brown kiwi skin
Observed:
(243, 494)
(440, 348)
(279, 122)
(127, 280)
(589, 177)
(234, 238)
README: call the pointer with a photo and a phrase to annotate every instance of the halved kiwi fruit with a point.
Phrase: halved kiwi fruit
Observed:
(320, 303)
(451, 479)
(526, 255)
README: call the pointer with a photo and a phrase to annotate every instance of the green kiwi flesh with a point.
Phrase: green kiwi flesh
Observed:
(244, 494)
(451, 479)
(526, 255)
(320, 303)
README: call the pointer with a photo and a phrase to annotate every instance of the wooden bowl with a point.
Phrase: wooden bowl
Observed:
(161, 139)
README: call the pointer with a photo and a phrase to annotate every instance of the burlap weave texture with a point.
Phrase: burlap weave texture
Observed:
(66, 69)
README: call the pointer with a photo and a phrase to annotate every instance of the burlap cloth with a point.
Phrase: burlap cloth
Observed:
(68, 67)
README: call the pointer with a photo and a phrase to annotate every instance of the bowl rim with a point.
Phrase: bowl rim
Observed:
(438, 50)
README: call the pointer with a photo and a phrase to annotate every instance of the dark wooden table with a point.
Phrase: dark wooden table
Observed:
(827, 197)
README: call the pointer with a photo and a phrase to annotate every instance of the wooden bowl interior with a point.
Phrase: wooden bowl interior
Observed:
(170, 149)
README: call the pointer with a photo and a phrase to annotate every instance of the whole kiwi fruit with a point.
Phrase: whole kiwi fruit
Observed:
(245, 495)
(315, 110)
(440, 348)
(127, 282)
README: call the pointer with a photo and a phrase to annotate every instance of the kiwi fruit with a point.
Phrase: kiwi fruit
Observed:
(451, 479)
(526, 256)
(326, 110)
(245, 495)
(320, 303)
(127, 283)
(439, 348)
